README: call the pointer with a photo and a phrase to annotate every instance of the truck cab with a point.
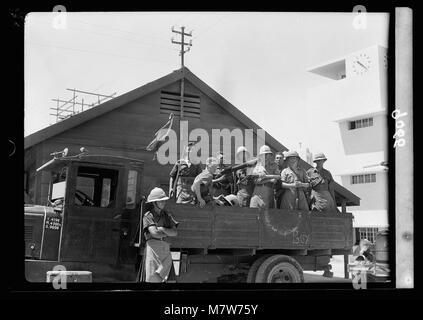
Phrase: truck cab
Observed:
(92, 216)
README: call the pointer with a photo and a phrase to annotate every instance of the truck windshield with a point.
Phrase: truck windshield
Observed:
(96, 187)
(58, 184)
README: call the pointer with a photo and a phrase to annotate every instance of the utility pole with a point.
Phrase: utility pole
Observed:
(182, 43)
(182, 136)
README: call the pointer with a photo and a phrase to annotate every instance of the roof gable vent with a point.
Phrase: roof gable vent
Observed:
(170, 102)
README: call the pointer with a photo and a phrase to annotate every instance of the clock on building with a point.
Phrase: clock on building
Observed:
(361, 64)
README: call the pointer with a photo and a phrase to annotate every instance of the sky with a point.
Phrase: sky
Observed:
(257, 61)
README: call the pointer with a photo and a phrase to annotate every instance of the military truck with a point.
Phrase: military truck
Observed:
(95, 212)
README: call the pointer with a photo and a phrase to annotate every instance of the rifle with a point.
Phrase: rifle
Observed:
(250, 163)
(173, 189)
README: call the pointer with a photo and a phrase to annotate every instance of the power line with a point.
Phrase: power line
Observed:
(119, 30)
(143, 43)
(128, 39)
(97, 52)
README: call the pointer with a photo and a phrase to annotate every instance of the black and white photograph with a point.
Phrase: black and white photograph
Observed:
(167, 148)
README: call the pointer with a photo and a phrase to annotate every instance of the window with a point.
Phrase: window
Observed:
(368, 233)
(58, 186)
(96, 187)
(132, 189)
(363, 178)
(360, 123)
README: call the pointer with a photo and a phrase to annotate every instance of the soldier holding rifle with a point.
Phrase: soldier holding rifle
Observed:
(296, 182)
(182, 177)
(266, 174)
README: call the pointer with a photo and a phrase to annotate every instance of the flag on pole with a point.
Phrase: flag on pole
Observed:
(160, 136)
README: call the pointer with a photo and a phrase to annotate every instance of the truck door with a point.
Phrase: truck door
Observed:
(91, 229)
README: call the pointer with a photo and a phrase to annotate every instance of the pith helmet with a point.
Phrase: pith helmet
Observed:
(365, 242)
(157, 194)
(212, 161)
(265, 149)
(241, 149)
(319, 156)
(291, 154)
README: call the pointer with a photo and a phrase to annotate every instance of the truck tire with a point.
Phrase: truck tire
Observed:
(251, 278)
(279, 269)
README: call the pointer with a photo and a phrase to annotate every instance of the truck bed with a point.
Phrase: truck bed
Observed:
(250, 228)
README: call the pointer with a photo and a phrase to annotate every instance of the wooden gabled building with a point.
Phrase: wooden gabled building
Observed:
(125, 125)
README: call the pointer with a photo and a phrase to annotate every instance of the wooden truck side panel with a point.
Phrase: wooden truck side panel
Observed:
(249, 228)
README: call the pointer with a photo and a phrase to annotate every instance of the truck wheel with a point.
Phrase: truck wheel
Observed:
(254, 267)
(279, 269)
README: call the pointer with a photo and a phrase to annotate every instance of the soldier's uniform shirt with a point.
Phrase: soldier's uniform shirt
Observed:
(263, 195)
(187, 174)
(165, 220)
(245, 185)
(158, 259)
(290, 195)
(224, 186)
(278, 190)
(321, 198)
(206, 181)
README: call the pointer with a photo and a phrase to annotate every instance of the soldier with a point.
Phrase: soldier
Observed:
(222, 181)
(182, 176)
(278, 190)
(265, 173)
(296, 182)
(203, 183)
(321, 181)
(245, 179)
(157, 225)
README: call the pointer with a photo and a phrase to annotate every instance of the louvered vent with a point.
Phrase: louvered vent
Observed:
(170, 102)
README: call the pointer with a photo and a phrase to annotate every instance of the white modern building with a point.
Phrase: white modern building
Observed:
(349, 110)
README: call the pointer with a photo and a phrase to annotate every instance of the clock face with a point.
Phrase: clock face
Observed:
(361, 64)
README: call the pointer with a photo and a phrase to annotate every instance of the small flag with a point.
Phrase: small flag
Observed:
(160, 137)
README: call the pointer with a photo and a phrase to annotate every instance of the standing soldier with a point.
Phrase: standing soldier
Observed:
(157, 225)
(203, 183)
(245, 179)
(182, 177)
(222, 181)
(321, 181)
(278, 184)
(265, 173)
(296, 181)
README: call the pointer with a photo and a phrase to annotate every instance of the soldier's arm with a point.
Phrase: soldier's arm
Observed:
(156, 232)
(196, 188)
(331, 187)
(171, 232)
